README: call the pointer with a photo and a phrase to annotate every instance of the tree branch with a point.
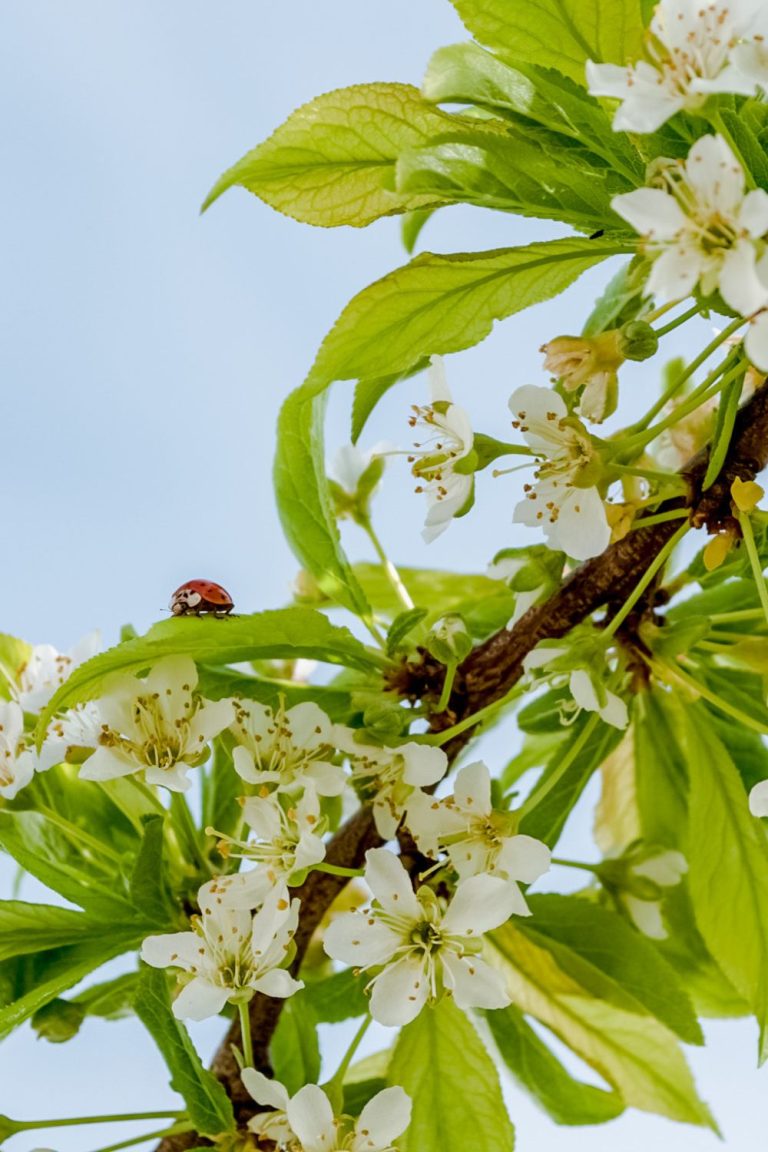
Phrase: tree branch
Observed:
(487, 675)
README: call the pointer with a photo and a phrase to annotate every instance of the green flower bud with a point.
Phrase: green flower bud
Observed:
(637, 340)
(58, 1021)
(449, 640)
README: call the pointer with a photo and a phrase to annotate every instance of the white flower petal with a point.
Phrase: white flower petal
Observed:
(472, 790)
(400, 992)
(199, 1000)
(675, 273)
(665, 869)
(352, 939)
(614, 711)
(423, 765)
(311, 1117)
(758, 799)
(740, 285)
(651, 212)
(756, 341)
(478, 905)
(647, 916)
(390, 883)
(173, 950)
(107, 764)
(581, 529)
(264, 1090)
(524, 858)
(473, 982)
(385, 1117)
(278, 983)
(753, 214)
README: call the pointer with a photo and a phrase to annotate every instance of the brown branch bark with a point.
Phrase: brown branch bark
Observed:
(488, 674)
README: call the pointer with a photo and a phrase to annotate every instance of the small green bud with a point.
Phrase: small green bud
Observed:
(58, 1021)
(449, 640)
(384, 718)
(637, 340)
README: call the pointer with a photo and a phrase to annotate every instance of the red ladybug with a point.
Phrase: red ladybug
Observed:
(198, 596)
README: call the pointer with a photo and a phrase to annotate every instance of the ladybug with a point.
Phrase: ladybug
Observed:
(198, 596)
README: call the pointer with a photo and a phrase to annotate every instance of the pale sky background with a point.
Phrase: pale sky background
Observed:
(144, 354)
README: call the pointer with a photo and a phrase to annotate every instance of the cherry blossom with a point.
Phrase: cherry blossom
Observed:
(692, 49)
(306, 1123)
(702, 229)
(47, 669)
(423, 948)
(564, 501)
(284, 748)
(159, 726)
(17, 762)
(477, 837)
(229, 954)
(286, 843)
(390, 776)
(586, 685)
(434, 460)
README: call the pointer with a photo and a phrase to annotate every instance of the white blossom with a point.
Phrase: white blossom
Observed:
(477, 837)
(389, 776)
(47, 669)
(229, 954)
(562, 502)
(283, 749)
(306, 1123)
(160, 726)
(17, 761)
(693, 49)
(702, 229)
(758, 799)
(433, 460)
(586, 687)
(422, 948)
(285, 842)
(642, 896)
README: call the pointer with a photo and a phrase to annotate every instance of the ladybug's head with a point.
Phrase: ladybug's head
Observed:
(183, 600)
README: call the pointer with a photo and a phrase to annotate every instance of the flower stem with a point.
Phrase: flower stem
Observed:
(538, 794)
(174, 1130)
(390, 571)
(445, 695)
(658, 563)
(337, 1080)
(661, 518)
(440, 738)
(337, 870)
(676, 674)
(694, 366)
(574, 864)
(245, 1028)
(694, 311)
(112, 1118)
(754, 560)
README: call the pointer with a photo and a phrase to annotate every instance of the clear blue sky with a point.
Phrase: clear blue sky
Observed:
(144, 354)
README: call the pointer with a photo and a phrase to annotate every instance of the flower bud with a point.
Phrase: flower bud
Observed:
(637, 340)
(58, 1021)
(449, 640)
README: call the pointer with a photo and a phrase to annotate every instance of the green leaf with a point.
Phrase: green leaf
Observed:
(111, 999)
(728, 865)
(588, 744)
(43, 851)
(441, 304)
(26, 928)
(294, 1050)
(512, 173)
(607, 943)
(209, 1107)
(624, 299)
(402, 626)
(369, 392)
(444, 1067)
(303, 500)
(331, 162)
(413, 223)
(632, 1051)
(541, 104)
(54, 972)
(661, 776)
(218, 683)
(338, 997)
(287, 633)
(148, 884)
(537, 1069)
(561, 34)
